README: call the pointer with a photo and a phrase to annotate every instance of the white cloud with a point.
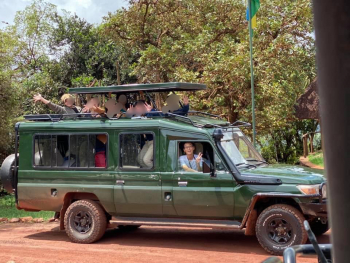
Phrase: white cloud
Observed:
(91, 10)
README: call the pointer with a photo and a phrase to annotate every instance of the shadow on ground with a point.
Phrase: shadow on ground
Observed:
(231, 241)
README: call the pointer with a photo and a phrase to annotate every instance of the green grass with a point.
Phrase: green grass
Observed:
(316, 158)
(9, 210)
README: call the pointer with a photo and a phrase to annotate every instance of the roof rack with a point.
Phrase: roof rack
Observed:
(241, 124)
(205, 113)
(58, 117)
(183, 119)
(189, 121)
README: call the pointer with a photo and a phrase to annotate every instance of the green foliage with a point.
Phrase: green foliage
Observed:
(8, 95)
(285, 144)
(7, 201)
(317, 158)
(8, 209)
(207, 41)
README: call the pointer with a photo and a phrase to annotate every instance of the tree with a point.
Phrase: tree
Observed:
(207, 42)
(8, 95)
(33, 27)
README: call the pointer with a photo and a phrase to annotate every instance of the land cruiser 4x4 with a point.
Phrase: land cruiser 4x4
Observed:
(56, 170)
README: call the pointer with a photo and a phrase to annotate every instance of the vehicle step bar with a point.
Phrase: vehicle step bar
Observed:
(175, 222)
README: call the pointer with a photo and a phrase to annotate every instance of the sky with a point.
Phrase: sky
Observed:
(91, 10)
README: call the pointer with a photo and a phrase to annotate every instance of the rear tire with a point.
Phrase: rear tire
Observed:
(85, 221)
(279, 227)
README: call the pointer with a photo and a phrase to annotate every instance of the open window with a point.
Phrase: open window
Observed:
(189, 151)
(72, 151)
(136, 150)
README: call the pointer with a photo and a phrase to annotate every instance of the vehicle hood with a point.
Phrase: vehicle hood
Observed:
(289, 174)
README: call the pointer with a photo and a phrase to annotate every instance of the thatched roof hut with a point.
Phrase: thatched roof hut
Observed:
(307, 106)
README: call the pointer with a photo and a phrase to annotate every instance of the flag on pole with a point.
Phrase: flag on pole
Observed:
(255, 5)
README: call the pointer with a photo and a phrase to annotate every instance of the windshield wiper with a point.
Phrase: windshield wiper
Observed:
(255, 160)
(249, 165)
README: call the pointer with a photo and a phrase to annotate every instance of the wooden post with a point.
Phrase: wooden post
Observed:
(305, 148)
(312, 142)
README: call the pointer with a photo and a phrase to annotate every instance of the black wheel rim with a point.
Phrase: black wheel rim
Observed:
(82, 222)
(279, 230)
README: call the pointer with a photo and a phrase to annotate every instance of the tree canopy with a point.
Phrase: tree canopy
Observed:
(48, 51)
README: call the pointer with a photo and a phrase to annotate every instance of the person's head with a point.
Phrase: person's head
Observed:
(122, 99)
(140, 107)
(188, 148)
(68, 100)
(95, 102)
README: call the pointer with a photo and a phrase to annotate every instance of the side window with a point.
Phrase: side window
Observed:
(195, 156)
(136, 150)
(70, 151)
(42, 150)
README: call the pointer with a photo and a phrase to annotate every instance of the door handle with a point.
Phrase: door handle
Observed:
(182, 184)
(120, 182)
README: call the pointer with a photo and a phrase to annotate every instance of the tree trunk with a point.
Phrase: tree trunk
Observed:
(305, 148)
(312, 142)
(118, 72)
(233, 115)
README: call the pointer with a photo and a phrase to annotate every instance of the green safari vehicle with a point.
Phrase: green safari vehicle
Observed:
(58, 168)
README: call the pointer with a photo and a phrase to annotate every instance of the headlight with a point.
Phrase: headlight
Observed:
(309, 189)
(324, 191)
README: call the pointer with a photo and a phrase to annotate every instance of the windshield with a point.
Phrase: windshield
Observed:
(240, 150)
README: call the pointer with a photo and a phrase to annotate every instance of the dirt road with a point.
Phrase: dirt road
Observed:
(45, 243)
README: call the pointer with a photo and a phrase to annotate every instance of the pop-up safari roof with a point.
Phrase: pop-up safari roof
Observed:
(131, 88)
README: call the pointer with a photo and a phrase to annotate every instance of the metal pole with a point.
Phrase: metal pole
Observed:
(332, 23)
(251, 69)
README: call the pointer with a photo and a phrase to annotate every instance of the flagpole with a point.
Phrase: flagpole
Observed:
(251, 69)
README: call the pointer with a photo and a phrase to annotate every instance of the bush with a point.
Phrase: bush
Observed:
(8, 201)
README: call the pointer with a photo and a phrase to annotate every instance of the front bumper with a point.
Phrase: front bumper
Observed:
(314, 209)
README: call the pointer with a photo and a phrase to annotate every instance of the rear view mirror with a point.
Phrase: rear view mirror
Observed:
(208, 169)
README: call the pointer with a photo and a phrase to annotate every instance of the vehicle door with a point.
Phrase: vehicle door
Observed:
(202, 194)
(138, 187)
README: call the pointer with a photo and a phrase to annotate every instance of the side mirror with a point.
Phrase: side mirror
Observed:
(209, 169)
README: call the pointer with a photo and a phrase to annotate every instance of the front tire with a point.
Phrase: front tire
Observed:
(85, 221)
(318, 228)
(279, 227)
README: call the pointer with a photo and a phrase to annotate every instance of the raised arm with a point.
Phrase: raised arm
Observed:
(185, 108)
(54, 107)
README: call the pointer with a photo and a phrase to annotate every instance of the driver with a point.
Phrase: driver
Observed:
(191, 162)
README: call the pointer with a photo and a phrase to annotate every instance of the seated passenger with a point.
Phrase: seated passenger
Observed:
(67, 100)
(191, 162)
(100, 150)
(123, 102)
(139, 109)
(185, 108)
(173, 106)
(93, 106)
(145, 157)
